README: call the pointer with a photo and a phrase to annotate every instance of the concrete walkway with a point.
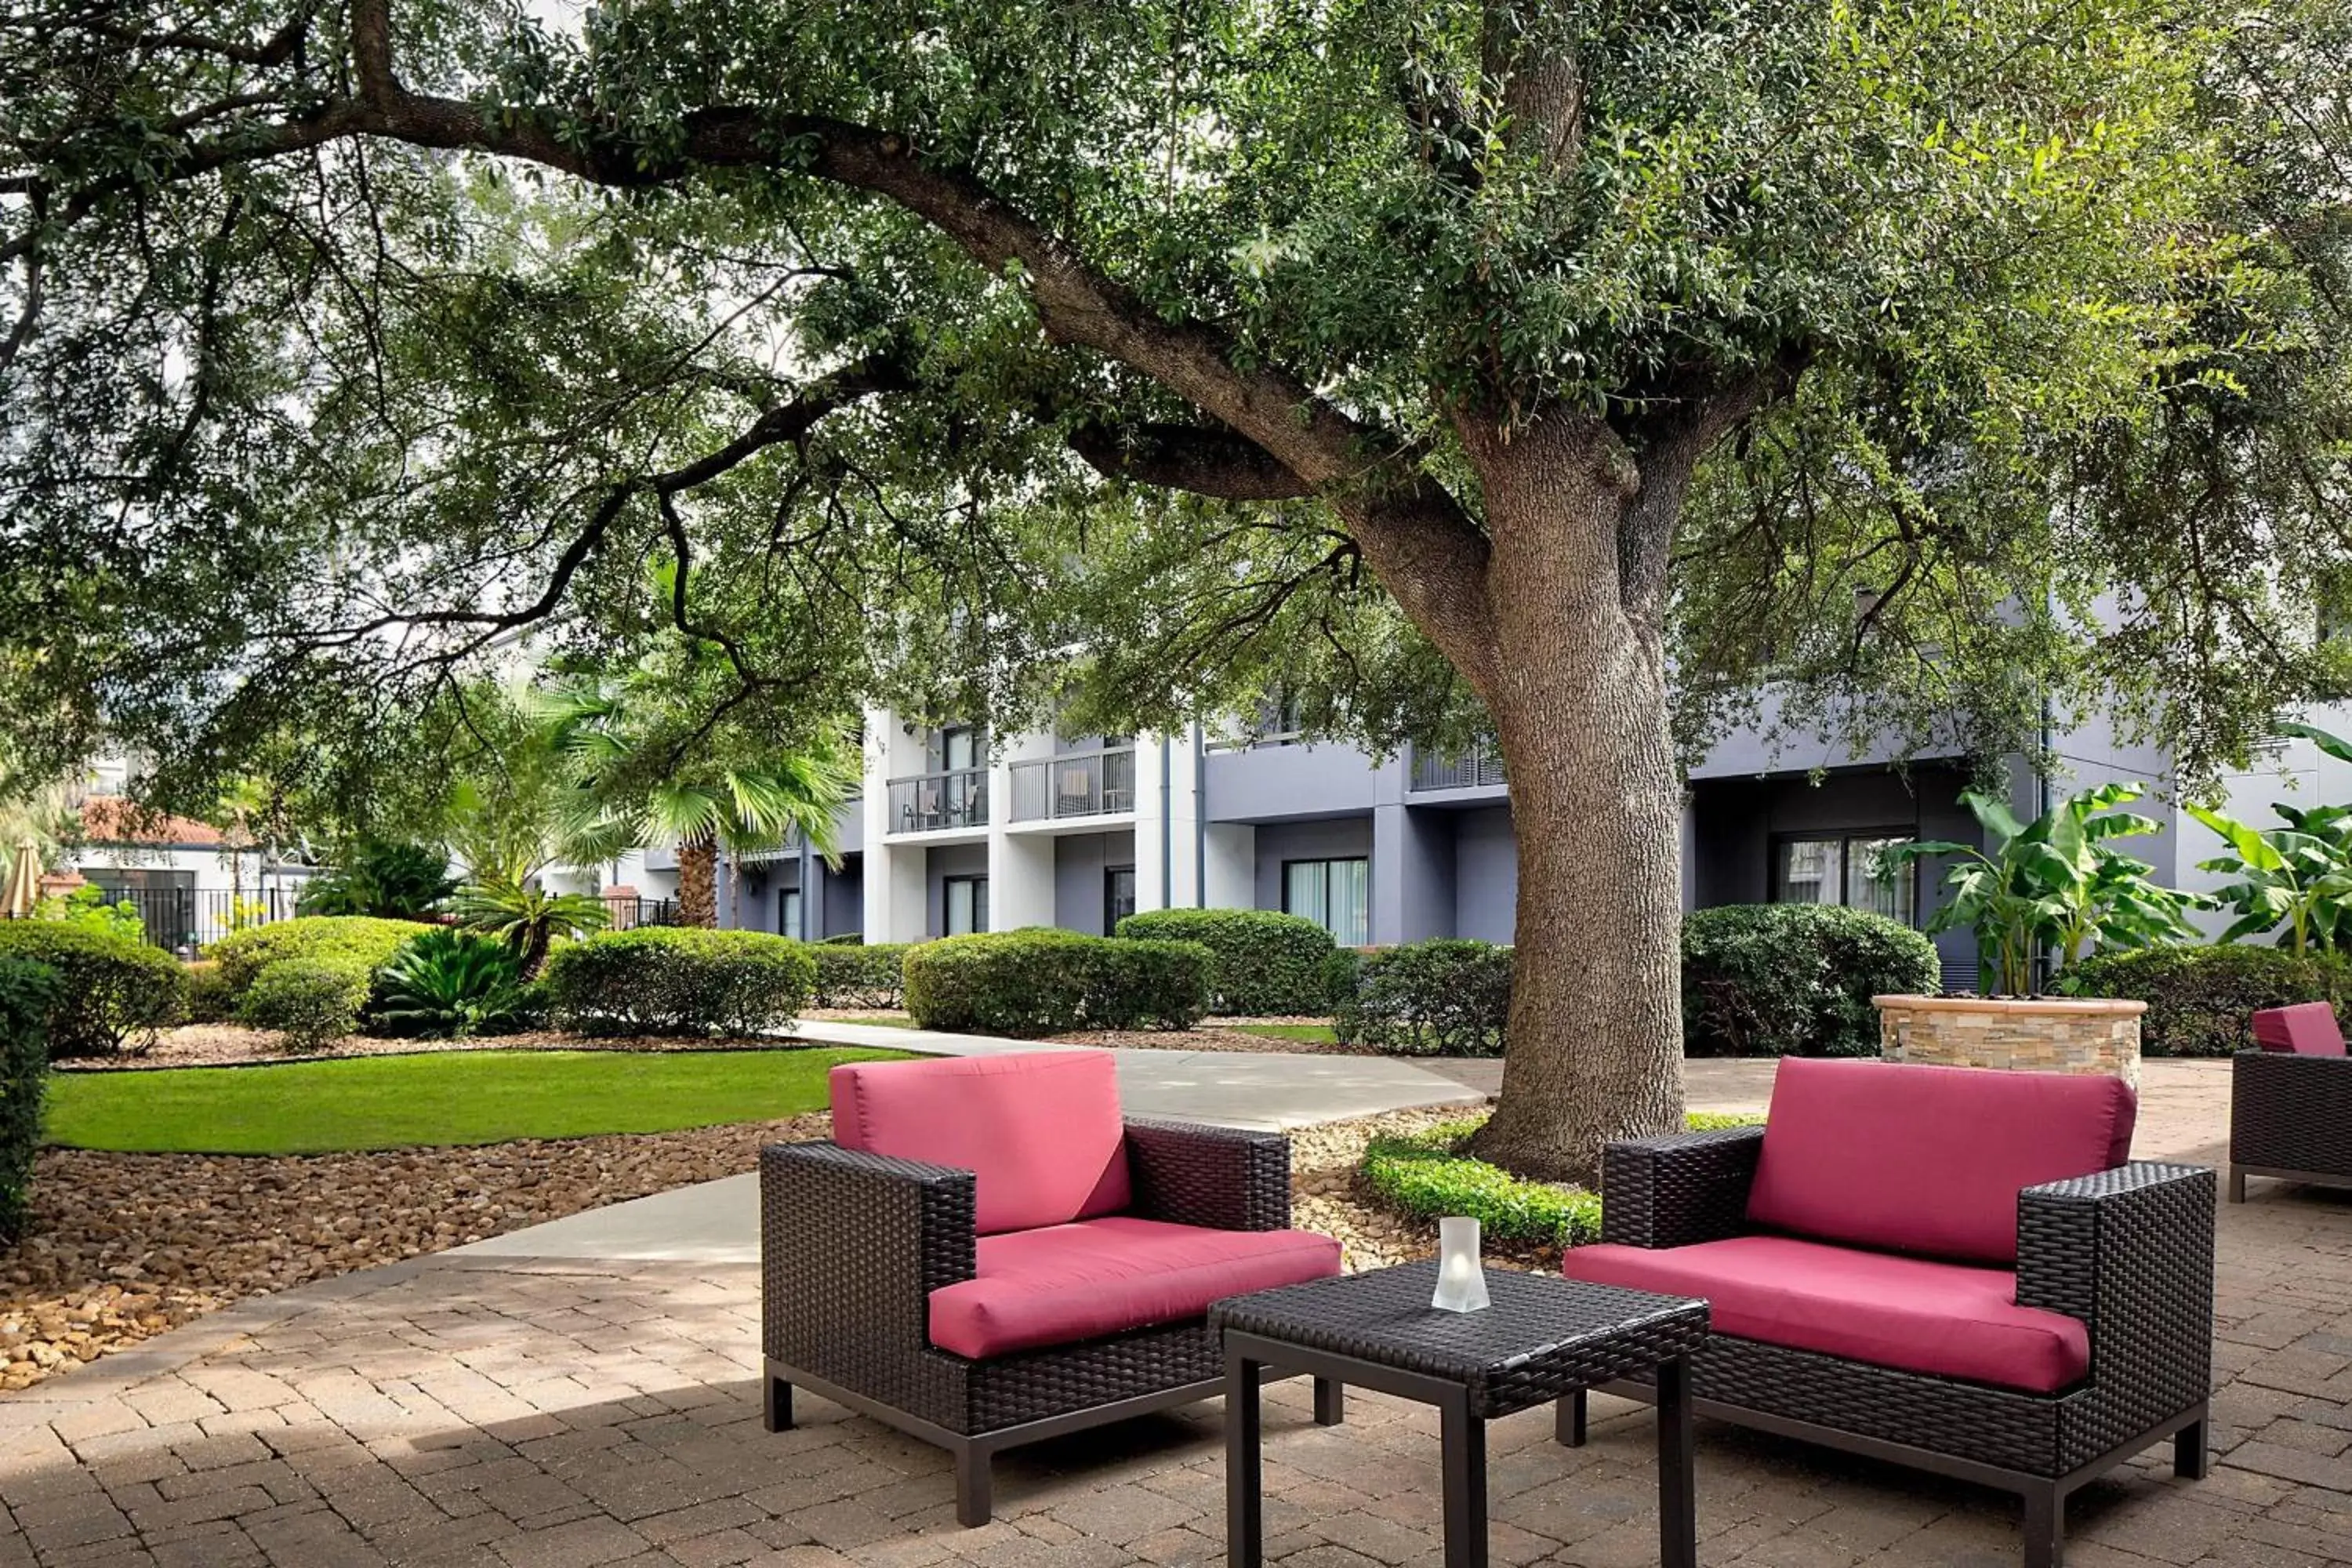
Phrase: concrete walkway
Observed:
(719, 1221)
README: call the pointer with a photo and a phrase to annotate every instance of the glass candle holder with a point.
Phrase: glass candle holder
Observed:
(1461, 1280)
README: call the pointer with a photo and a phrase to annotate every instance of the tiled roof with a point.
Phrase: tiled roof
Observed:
(110, 819)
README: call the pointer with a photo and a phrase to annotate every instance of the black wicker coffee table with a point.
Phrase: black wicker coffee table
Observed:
(1543, 1338)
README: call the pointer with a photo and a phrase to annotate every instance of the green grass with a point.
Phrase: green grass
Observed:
(450, 1097)
(1319, 1033)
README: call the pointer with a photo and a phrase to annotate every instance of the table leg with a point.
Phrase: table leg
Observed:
(1465, 1482)
(1567, 1419)
(1330, 1402)
(1677, 1468)
(1245, 1491)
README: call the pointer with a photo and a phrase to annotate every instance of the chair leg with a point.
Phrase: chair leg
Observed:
(776, 1403)
(2237, 1185)
(974, 1500)
(2045, 1527)
(1568, 1420)
(1330, 1402)
(2191, 1455)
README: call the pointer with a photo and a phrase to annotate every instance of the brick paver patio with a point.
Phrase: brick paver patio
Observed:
(537, 1416)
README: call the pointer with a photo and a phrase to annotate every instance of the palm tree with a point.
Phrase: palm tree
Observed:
(641, 778)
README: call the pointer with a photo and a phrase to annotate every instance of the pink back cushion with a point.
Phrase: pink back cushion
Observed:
(1040, 1130)
(1927, 1160)
(2305, 1029)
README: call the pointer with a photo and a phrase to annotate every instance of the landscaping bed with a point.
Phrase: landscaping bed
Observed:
(123, 1246)
(233, 1044)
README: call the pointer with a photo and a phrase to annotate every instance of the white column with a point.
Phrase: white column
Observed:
(1232, 882)
(1020, 879)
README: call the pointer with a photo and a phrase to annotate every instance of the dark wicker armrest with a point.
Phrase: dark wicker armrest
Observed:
(2291, 1112)
(852, 1244)
(1223, 1177)
(2129, 1252)
(1680, 1190)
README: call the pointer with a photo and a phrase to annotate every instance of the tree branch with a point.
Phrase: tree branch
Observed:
(1207, 462)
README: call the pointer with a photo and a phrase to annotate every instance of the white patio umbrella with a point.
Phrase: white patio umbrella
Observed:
(24, 887)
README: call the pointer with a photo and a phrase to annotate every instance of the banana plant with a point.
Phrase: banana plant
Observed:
(2299, 875)
(2056, 882)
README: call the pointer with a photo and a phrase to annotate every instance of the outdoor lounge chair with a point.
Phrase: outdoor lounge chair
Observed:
(987, 1254)
(2291, 1101)
(1952, 1268)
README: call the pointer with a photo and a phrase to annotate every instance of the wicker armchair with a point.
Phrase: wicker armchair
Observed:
(2291, 1101)
(2127, 1251)
(855, 1242)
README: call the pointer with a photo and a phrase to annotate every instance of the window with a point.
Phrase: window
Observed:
(1119, 896)
(788, 913)
(1849, 869)
(1335, 894)
(967, 905)
(963, 747)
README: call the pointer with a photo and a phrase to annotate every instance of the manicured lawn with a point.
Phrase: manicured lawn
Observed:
(1319, 1033)
(455, 1097)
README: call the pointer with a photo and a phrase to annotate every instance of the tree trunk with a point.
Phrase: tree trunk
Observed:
(1579, 697)
(697, 883)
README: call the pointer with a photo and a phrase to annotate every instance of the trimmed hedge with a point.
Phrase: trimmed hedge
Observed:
(1429, 1175)
(1046, 981)
(28, 991)
(1446, 996)
(360, 939)
(1263, 963)
(2201, 1000)
(309, 1003)
(1795, 980)
(860, 976)
(680, 980)
(210, 998)
(113, 992)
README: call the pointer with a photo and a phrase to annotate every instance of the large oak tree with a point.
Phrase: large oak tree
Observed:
(1573, 371)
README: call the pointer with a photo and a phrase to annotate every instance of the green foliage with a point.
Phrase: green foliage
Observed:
(308, 1003)
(2201, 1000)
(860, 975)
(2056, 881)
(28, 994)
(1044, 982)
(1773, 980)
(1446, 996)
(527, 918)
(448, 984)
(113, 992)
(680, 980)
(1341, 972)
(1266, 962)
(86, 906)
(211, 999)
(384, 879)
(1429, 1176)
(363, 940)
(2299, 875)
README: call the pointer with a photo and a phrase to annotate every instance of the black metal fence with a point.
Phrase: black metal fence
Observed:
(182, 920)
(622, 915)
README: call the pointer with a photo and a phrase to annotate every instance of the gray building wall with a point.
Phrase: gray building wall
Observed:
(1485, 874)
(1080, 885)
(839, 907)
(942, 861)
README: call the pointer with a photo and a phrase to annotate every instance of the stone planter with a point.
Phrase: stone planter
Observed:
(2055, 1033)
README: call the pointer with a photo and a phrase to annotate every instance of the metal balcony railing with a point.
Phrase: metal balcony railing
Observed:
(1481, 767)
(1076, 783)
(930, 803)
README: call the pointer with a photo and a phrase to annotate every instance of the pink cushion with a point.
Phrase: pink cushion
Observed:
(2305, 1029)
(1927, 1159)
(1948, 1319)
(1072, 1282)
(1040, 1130)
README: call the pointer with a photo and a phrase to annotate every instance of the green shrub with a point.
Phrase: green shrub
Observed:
(28, 991)
(680, 980)
(1342, 971)
(1446, 996)
(382, 879)
(361, 939)
(1264, 963)
(860, 976)
(210, 999)
(1044, 982)
(1429, 1176)
(446, 985)
(308, 1003)
(2201, 999)
(113, 992)
(1795, 980)
(842, 939)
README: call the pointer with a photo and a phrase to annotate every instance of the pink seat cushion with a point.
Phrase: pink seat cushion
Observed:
(1927, 1159)
(1072, 1282)
(1948, 1319)
(1040, 1130)
(2305, 1029)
